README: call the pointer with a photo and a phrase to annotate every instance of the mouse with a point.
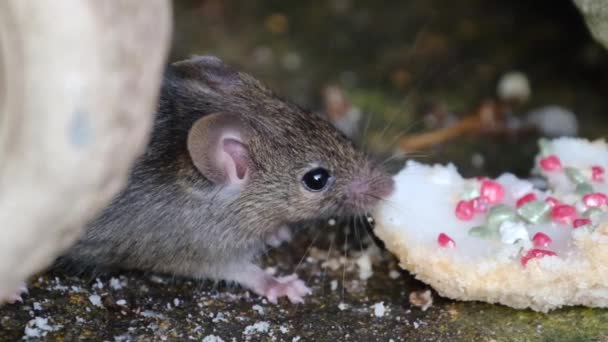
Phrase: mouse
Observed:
(229, 166)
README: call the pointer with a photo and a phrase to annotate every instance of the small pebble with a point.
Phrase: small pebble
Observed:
(422, 299)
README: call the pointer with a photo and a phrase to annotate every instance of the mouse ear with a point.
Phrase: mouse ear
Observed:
(211, 71)
(217, 144)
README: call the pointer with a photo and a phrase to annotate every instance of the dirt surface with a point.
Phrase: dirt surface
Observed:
(358, 295)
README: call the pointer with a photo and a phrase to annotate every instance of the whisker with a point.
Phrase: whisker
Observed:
(344, 267)
(393, 204)
(363, 137)
(318, 231)
(359, 219)
(323, 270)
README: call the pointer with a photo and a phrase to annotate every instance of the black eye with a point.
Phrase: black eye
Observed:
(316, 179)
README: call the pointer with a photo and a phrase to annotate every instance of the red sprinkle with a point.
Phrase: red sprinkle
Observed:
(445, 241)
(580, 222)
(597, 173)
(541, 240)
(480, 204)
(553, 201)
(535, 253)
(551, 163)
(563, 213)
(465, 210)
(595, 200)
(529, 197)
(493, 191)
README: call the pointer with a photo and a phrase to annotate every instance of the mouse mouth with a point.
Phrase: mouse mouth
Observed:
(367, 191)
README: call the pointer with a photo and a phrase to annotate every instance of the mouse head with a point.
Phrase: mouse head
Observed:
(273, 153)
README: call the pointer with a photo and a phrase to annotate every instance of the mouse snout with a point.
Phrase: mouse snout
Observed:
(367, 190)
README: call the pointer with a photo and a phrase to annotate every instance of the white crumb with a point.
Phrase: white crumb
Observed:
(95, 300)
(58, 286)
(342, 306)
(394, 274)
(258, 327)
(333, 285)
(258, 308)
(151, 314)
(219, 317)
(39, 327)
(212, 338)
(379, 309)
(364, 263)
(116, 284)
(121, 302)
(98, 284)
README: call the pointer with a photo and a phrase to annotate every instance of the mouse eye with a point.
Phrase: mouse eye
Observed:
(316, 179)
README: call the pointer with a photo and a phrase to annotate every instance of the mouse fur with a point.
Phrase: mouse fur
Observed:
(223, 172)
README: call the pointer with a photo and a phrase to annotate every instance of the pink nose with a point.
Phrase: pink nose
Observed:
(367, 193)
(359, 188)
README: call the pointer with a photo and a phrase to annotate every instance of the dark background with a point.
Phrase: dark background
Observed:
(392, 57)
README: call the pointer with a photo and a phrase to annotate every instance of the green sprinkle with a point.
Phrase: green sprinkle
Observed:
(575, 175)
(591, 227)
(593, 214)
(499, 214)
(482, 232)
(545, 146)
(470, 191)
(535, 212)
(584, 188)
(587, 227)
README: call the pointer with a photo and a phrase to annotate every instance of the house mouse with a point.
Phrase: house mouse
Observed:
(228, 167)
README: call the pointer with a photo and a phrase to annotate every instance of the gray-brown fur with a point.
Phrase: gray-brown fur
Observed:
(170, 218)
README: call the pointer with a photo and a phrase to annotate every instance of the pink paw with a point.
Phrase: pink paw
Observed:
(282, 235)
(15, 296)
(290, 286)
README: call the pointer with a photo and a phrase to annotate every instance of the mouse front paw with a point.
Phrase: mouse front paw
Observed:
(283, 234)
(262, 284)
(14, 297)
(290, 286)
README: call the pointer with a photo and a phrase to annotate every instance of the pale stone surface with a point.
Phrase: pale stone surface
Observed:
(78, 83)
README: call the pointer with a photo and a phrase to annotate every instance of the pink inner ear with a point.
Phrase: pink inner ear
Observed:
(239, 156)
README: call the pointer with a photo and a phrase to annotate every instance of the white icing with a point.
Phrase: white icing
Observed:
(511, 232)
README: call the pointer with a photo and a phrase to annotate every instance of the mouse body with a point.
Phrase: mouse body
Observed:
(228, 167)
